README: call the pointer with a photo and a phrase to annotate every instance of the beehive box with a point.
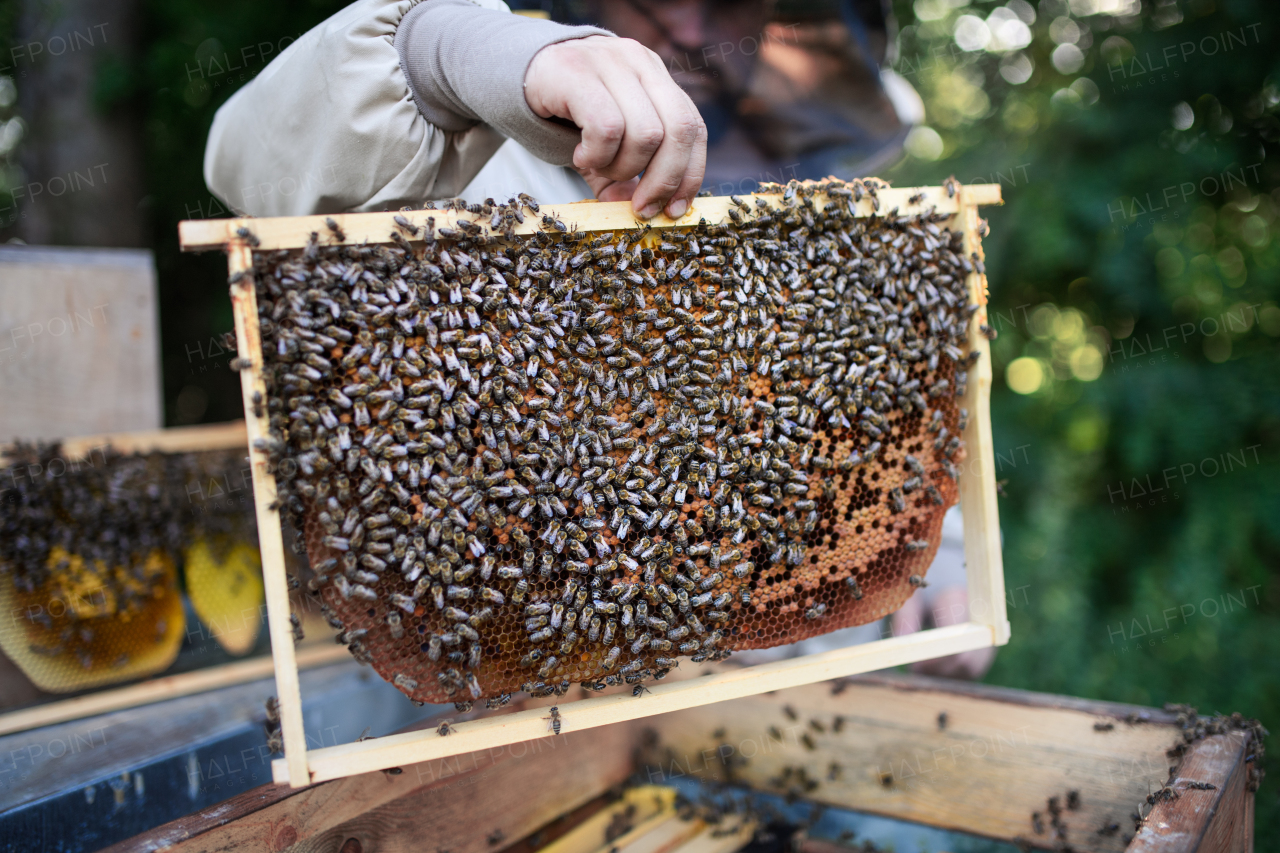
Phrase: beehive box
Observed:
(731, 431)
(1031, 770)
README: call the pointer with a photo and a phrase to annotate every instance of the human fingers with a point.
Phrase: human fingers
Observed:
(607, 189)
(635, 120)
(564, 81)
(674, 174)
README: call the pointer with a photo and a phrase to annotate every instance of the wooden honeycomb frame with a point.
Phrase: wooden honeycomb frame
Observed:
(158, 687)
(300, 766)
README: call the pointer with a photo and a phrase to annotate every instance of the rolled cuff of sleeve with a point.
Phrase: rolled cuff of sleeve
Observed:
(466, 65)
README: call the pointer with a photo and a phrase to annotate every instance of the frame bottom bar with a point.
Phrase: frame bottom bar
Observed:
(409, 748)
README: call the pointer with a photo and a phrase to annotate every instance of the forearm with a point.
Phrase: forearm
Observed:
(466, 65)
(330, 126)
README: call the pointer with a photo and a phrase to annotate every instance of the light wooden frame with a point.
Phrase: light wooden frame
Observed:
(158, 688)
(987, 627)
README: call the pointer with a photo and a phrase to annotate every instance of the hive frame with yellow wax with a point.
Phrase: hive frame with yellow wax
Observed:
(988, 626)
(160, 687)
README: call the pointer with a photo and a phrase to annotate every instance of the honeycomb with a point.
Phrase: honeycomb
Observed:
(226, 592)
(522, 463)
(89, 556)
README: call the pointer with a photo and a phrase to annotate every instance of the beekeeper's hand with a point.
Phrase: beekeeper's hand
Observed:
(642, 137)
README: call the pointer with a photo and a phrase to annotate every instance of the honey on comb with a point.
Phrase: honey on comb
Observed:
(585, 457)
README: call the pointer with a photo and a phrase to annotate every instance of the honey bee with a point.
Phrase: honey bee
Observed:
(554, 719)
(406, 225)
(896, 500)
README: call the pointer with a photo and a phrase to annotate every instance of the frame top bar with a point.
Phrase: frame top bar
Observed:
(293, 232)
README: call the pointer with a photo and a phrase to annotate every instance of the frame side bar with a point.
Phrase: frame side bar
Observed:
(983, 559)
(415, 747)
(244, 304)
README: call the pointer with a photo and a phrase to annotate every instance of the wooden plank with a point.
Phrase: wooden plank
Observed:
(189, 751)
(244, 304)
(1105, 711)
(493, 732)
(225, 436)
(160, 689)
(1218, 820)
(563, 825)
(719, 840)
(985, 575)
(1036, 746)
(991, 766)
(79, 342)
(455, 803)
(662, 834)
(637, 806)
(293, 232)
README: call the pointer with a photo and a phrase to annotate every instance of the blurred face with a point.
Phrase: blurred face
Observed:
(702, 42)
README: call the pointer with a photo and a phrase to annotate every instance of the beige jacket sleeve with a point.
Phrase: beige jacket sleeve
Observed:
(387, 103)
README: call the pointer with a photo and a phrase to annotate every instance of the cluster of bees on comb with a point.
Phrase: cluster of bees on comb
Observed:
(519, 463)
(91, 546)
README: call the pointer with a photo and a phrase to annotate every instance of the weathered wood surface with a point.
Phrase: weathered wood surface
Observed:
(994, 762)
(456, 803)
(1000, 756)
(293, 232)
(715, 840)
(1218, 820)
(114, 775)
(79, 342)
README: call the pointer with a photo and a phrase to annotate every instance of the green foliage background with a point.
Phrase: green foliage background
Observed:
(1089, 558)
(1093, 262)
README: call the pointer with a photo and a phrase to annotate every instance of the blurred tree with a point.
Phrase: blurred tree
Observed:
(1133, 276)
(82, 177)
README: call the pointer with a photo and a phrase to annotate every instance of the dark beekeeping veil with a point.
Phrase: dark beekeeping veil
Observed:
(787, 88)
